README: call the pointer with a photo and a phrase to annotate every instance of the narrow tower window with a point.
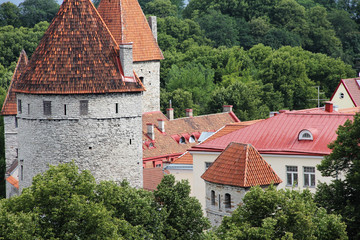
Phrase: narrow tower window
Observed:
(213, 197)
(116, 108)
(219, 202)
(84, 107)
(28, 108)
(227, 200)
(19, 106)
(64, 109)
(47, 107)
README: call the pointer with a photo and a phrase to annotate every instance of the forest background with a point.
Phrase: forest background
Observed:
(257, 55)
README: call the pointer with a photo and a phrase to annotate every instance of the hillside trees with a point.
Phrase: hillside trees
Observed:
(35, 11)
(283, 214)
(342, 195)
(65, 204)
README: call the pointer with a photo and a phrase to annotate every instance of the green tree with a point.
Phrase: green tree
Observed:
(283, 214)
(35, 11)
(185, 219)
(14, 40)
(341, 196)
(180, 100)
(160, 8)
(9, 15)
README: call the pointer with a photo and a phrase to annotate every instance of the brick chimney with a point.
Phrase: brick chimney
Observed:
(153, 26)
(161, 125)
(189, 112)
(150, 131)
(329, 106)
(227, 108)
(170, 113)
(126, 59)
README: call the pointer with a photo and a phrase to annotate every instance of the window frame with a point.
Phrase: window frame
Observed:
(84, 107)
(47, 108)
(292, 173)
(309, 176)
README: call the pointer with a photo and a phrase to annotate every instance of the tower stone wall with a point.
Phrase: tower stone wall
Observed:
(105, 139)
(149, 73)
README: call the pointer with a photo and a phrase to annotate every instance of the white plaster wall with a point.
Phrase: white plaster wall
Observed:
(150, 71)
(103, 141)
(277, 162)
(345, 102)
(183, 174)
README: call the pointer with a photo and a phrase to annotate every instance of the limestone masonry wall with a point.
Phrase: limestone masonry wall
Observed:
(11, 143)
(150, 73)
(106, 140)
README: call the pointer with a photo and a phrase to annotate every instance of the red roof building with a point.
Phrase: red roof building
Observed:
(128, 23)
(347, 93)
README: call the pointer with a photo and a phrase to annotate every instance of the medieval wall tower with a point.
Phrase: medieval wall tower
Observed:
(127, 22)
(79, 99)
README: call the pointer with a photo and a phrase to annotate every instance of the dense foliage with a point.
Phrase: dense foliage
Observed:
(283, 214)
(65, 204)
(342, 195)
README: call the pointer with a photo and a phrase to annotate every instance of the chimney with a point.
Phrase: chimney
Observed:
(126, 59)
(161, 123)
(189, 112)
(170, 113)
(329, 106)
(153, 26)
(227, 108)
(282, 111)
(150, 131)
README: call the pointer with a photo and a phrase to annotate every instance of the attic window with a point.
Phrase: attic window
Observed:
(182, 140)
(305, 135)
(341, 95)
(151, 145)
(192, 139)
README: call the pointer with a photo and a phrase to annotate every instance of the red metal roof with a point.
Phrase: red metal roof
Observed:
(242, 166)
(77, 55)
(279, 134)
(128, 23)
(10, 105)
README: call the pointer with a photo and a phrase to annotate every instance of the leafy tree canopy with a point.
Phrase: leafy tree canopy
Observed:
(35, 11)
(283, 214)
(341, 196)
(9, 15)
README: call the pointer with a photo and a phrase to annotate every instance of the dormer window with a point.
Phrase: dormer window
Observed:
(305, 135)
(182, 140)
(192, 139)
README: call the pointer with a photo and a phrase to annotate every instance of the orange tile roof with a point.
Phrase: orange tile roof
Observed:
(241, 165)
(152, 177)
(77, 55)
(166, 143)
(187, 158)
(10, 105)
(128, 23)
(13, 181)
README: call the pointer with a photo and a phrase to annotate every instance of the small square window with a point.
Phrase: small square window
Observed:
(207, 165)
(47, 108)
(84, 107)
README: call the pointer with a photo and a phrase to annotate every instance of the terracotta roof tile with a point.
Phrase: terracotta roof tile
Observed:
(10, 105)
(152, 177)
(241, 165)
(77, 55)
(165, 143)
(13, 181)
(128, 23)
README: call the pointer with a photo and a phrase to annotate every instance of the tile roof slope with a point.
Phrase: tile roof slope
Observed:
(77, 55)
(279, 134)
(152, 177)
(241, 165)
(187, 158)
(128, 23)
(10, 105)
(353, 88)
(165, 144)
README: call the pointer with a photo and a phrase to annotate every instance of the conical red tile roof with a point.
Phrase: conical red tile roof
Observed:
(241, 165)
(77, 55)
(128, 23)
(10, 106)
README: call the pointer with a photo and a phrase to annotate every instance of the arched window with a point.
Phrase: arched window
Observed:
(227, 200)
(305, 135)
(192, 139)
(212, 197)
(182, 140)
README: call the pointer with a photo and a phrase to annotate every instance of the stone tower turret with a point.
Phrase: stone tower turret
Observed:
(127, 22)
(76, 103)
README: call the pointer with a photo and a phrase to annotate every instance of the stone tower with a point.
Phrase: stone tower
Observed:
(127, 22)
(9, 112)
(79, 99)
